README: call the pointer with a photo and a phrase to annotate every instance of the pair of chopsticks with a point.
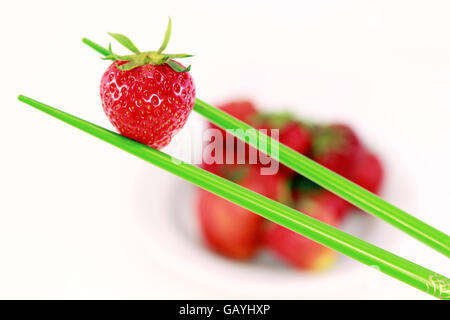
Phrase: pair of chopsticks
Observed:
(393, 265)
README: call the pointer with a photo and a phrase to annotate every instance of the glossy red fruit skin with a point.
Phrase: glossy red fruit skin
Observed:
(368, 172)
(299, 251)
(149, 104)
(340, 151)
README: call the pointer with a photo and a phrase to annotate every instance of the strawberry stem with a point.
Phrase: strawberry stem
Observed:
(148, 57)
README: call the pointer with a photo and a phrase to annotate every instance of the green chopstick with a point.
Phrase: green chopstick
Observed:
(393, 265)
(353, 193)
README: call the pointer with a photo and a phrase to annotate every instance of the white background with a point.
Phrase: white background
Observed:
(81, 219)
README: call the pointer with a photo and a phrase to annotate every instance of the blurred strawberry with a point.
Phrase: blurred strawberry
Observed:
(243, 110)
(336, 147)
(297, 250)
(296, 136)
(229, 229)
(240, 109)
(368, 172)
(303, 188)
(329, 201)
(292, 133)
(275, 187)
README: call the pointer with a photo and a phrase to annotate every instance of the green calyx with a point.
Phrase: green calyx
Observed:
(279, 120)
(328, 139)
(273, 119)
(148, 57)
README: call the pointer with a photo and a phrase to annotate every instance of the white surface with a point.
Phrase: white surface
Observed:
(81, 219)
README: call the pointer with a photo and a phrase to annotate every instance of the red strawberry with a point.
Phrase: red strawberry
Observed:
(275, 186)
(331, 202)
(368, 172)
(298, 250)
(336, 147)
(305, 189)
(242, 110)
(292, 133)
(229, 229)
(296, 137)
(147, 96)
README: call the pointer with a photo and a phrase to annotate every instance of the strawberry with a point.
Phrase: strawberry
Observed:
(147, 96)
(296, 136)
(242, 110)
(303, 188)
(336, 147)
(275, 187)
(368, 172)
(331, 202)
(292, 133)
(297, 250)
(229, 229)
